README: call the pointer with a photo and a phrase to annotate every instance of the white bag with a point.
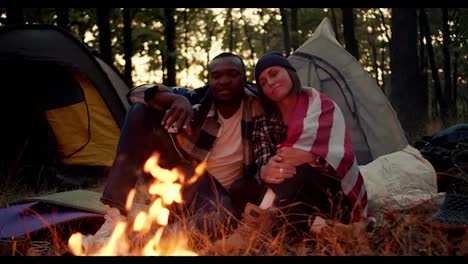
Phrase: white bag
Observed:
(399, 180)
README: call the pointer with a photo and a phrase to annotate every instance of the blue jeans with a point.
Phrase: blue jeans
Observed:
(141, 135)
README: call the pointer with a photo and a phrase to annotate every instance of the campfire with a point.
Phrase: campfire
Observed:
(166, 190)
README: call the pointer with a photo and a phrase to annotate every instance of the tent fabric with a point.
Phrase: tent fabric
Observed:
(47, 70)
(47, 43)
(31, 214)
(324, 64)
(44, 211)
(78, 199)
(81, 200)
(30, 217)
(120, 86)
(96, 140)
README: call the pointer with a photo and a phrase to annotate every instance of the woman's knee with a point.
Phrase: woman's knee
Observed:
(245, 191)
(290, 188)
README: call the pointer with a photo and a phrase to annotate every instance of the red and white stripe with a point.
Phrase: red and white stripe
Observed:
(318, 126)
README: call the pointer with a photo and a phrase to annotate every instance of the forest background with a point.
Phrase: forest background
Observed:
(418, 56)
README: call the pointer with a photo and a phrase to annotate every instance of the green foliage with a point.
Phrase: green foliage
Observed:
(250, 32)
(83, 20)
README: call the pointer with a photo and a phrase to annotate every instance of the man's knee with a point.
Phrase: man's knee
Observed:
(142, 114)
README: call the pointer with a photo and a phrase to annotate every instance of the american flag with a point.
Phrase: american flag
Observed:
(318, 126)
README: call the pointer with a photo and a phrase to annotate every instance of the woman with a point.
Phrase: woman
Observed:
(304, 155)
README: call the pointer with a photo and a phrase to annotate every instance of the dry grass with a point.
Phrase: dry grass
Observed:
(402, 233)
(14, 192)
(396, 234)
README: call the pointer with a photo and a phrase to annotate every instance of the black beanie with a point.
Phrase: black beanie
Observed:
(273, 58)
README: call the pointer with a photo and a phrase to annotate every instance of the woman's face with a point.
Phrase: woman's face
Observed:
(275, 82)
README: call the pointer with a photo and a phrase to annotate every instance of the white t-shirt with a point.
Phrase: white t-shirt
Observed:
(225, 159)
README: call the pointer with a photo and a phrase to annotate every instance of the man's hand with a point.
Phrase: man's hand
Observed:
(179, 111)
(179, 115)
(276, 171)
(295, 157)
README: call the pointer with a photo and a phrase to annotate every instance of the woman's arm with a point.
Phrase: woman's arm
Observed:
(271, 168)
(296, 157)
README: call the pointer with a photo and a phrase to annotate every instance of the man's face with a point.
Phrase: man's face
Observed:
(226, 79)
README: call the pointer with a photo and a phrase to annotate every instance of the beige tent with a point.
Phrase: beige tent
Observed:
(324, 64)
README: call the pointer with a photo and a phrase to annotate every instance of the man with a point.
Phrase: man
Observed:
(220, 131)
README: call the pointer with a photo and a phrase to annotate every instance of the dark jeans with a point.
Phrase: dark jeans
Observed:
(311, 192)
(142, 134)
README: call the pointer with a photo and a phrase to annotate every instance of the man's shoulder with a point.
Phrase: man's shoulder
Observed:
(194, 95)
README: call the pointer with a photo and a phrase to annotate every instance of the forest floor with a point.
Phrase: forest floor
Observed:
(396, 233)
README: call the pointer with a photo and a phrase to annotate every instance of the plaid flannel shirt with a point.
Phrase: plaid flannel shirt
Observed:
(268, 133)
(205, 125)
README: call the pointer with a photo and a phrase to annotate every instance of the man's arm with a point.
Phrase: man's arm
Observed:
(179, 111)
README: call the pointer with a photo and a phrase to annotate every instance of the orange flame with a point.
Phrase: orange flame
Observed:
(167, 188)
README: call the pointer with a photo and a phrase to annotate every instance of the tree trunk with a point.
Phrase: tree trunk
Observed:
(382, 69)
(163, 68)
(384, 25)
(335, 24)
(407, 95)
(249, 39)
(62, 18)
(170, 34)
(285, 27)
(127, 45)
(294, 29)
(263, 36)
(14, 16)
(231, 29)
(374, 58)
(455, 84)
(422, 55)
(208, 45)
(447, 71)
(103, 23)
(348, 32)
(441, 110)
(186, 42)
(36, 16)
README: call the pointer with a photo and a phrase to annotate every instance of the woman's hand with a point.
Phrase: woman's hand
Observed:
(294, 156)
(276, 171)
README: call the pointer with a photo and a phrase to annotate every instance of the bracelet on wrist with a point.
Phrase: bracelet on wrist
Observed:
(318, 162)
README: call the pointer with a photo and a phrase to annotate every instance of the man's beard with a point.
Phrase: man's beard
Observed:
(233, 100)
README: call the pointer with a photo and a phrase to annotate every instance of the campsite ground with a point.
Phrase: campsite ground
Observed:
(400, 233)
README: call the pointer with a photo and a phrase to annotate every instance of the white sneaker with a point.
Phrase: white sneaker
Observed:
(94, 242)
